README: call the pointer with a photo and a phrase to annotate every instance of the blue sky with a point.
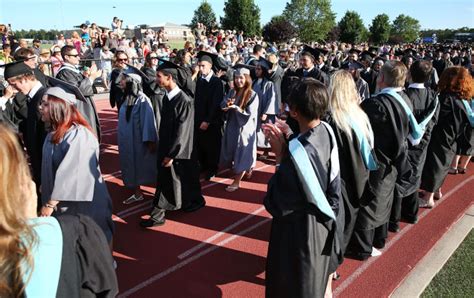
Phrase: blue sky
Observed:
(63, 14)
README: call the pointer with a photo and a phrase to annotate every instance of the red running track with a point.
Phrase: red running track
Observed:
(219, 250)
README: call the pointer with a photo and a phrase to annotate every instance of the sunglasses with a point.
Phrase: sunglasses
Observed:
(153, 57)
(72, 55)
(121, 60)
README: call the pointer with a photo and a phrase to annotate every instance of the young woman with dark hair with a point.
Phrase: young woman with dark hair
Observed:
(239, 143)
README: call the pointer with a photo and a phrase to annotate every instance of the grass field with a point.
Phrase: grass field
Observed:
(456, 279)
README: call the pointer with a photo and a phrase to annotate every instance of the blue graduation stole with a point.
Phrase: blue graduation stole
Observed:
(365, 148)
(469, 108)
(417, 129)
(308, 178)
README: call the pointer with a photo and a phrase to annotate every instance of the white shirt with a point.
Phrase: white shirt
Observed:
(173, 93)
(35, 89)
(396, 89)
(417, 86)
(208, 77)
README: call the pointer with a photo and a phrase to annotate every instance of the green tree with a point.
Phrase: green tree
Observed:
(352, 28)
(405, 28)
(205, 15)
(313, 19)
(380, 29)
(279, 29)
(241, 15)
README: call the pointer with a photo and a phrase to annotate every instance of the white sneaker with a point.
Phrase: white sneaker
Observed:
(132, 199)
(375, 252)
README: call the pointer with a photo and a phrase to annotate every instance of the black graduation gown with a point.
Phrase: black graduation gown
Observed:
(354, 177)
(154, 93)
(391, 127)
(116, 93)
(87, 109)
(439, 65)
(8, 117)
(315, 73)
(276, 77)
(178, 186)
(209, 96)
(34, 135)
(302, 237)
(423, 101)
(86, 262)
(453, 124)
(371, 78)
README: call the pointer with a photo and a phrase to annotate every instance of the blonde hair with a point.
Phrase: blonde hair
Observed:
(17, 237)
(394, 73)
(344, 104)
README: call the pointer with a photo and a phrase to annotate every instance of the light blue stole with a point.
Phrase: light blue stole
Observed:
(47, 255)
(417, 129)
(308, 177)
(469, 108)
(365, 148)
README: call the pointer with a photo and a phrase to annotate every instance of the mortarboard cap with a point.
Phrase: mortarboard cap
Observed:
(16, 68)
(354, 50)
(242, 69)
(322, 51)
(206, 56)
(61, 94)
(409, 51)
(352, 65)
(374, 50)
(135, 73)
(265, 63)
(378, 58)
(68, 88)
(367, 53)
(168, 66)
(307, 50)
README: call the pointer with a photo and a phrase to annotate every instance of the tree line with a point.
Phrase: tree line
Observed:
(314, 20)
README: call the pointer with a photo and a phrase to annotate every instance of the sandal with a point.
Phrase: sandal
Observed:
(425, 204)
(231, 188)
(132, 199)
(438, 195)
(461, 170)
(248, 175)
(453, 171)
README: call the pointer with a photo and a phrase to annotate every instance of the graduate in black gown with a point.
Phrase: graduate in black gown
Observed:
(355, 141)
(390, 124)
(454, 123)
(7, 112)
(308, 68)
(208, 116)
(21, 77)
(151, 88)
(116, 93)
(303, 229)
(425, 109)
(178, 185)
(70, 73)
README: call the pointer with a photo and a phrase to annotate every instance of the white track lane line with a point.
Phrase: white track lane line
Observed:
(347, 282)
(183, 263)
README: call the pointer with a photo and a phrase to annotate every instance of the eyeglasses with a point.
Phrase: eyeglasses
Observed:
(122, 60)
(72, 55)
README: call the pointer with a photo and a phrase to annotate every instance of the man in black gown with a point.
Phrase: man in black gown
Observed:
(208, 116)
(178, 185)
(71, 74)
(391, 127)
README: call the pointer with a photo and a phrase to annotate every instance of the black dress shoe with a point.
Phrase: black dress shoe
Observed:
(394, 227)
(210, 175)
(411, 220)
(379, 243)
(148, 223)
(194, 207)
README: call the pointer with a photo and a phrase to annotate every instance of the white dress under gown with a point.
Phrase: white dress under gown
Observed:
(239, 143)
(137, 163)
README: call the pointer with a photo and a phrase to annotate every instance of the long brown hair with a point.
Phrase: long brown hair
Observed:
(63, 116)
(245, 92)
(17, 238)
(457, 80)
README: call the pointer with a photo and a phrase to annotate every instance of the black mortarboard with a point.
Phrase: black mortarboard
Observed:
(352, 65)
(16, 68)
(374, 50)
(367, 53)
(321, 51)
(265, 63)
(135, 73)
(53, 82)
(378, 58)
(206, 56)
(168, 66)
(241, 69)
(409, 51)
(398, 52)
(307, 50)
(353, 50)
